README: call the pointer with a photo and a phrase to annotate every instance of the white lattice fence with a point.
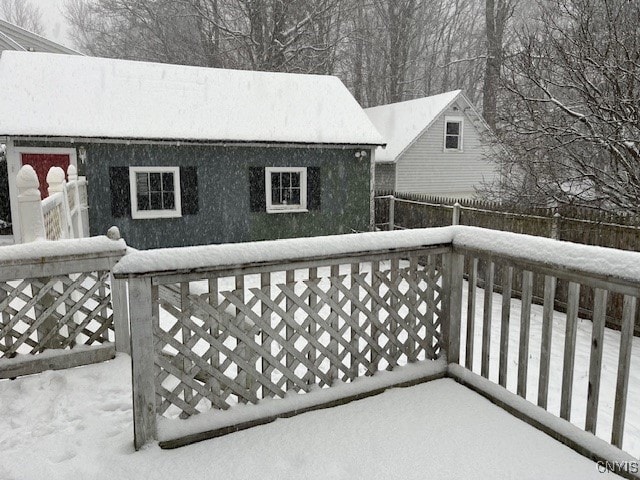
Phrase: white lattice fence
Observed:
(59, 303)
(55, 312)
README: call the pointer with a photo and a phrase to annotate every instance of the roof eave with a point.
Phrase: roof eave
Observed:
(190, 141)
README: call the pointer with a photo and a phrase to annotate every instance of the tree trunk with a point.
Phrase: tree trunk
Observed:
(497, 13)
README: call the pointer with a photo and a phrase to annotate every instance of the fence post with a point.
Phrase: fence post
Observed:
(555, 226)
(30, 205)
(452, 304)
(119, 305)
(392, 208)
(56, 183)
(142, 362)
(72, 176)
(455, 218)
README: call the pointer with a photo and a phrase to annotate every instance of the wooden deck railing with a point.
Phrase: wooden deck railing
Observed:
(217, 326)
(600, 273)
(220, 331)
(58, 306)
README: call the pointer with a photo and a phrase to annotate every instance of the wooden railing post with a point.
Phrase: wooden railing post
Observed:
(452, 279)
(555, 226)
(455, 216)
(30, 205)
(119, 305)
(142, 361)
(392, 209)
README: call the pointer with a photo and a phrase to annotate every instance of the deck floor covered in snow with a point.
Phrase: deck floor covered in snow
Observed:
(77, 424)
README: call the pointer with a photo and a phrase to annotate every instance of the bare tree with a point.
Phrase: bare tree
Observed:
(273, 35)
(497, 14)
(573, 126)
(22, 13)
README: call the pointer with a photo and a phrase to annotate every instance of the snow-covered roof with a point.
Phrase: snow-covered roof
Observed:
(401, 123)
(77, 96)
(13, 37)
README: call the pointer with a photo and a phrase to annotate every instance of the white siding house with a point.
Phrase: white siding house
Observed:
(435, 146)
(13, 37)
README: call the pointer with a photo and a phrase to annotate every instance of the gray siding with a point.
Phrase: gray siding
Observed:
(427, 169)
(223, 194)
(385, 176)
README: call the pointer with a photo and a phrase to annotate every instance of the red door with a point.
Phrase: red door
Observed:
(42, 162)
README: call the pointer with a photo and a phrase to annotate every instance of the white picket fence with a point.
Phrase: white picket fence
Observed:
(63, 214)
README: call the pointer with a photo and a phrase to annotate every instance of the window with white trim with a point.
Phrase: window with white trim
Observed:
(453, 133)
(286, 189)
(155, 192)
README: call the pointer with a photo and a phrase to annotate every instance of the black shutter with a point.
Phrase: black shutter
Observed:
(257, 195)
(120, 192)
(189, 190)
(314, 190)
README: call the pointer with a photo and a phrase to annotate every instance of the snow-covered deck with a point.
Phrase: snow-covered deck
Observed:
(77, 423)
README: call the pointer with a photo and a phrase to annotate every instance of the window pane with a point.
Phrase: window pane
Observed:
(155, 182)
(452, 141)
(143, 202)
(453, 128)
(275, 189)
(275, 181)
(295, 179)
(295, 196)
(167, 182)
(142, 183)
(286, 197)
(156, 201)
(168, 201)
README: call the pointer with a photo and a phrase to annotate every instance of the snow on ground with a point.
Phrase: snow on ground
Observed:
(77, 424)
(611, 347)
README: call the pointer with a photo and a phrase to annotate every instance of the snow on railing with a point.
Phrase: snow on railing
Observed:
(59, 307)
(217, 326)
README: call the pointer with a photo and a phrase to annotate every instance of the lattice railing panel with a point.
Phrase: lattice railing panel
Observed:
(54, 221)
(57, 312)
(229, 340)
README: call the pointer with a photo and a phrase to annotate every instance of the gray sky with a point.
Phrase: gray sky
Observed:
(56, 27)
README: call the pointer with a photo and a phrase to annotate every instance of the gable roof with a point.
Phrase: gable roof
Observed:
(13, 37)
(77, 96)
(402, 123)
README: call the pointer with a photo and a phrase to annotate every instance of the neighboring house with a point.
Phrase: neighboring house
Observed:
(177, 155)
(13, 37)
(434, 146)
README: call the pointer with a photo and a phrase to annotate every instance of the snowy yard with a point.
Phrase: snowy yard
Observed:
(77, 424)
